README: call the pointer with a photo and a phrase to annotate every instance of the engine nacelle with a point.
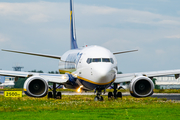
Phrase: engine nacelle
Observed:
(141, 86)
(36, 86)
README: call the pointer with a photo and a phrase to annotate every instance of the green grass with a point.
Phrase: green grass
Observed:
(84, 107)
(167, 90)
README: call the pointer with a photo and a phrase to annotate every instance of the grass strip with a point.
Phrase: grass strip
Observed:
(84, 107)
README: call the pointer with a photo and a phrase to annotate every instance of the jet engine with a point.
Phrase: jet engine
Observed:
(141, 86)
(36, 86)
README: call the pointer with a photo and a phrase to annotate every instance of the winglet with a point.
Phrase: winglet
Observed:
(72, 27)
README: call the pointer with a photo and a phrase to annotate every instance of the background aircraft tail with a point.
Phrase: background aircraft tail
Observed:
(72, 27)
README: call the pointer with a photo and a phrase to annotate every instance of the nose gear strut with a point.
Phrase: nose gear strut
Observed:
(98, 95)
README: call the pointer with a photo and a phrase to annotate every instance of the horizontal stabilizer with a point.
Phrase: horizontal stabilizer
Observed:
(124, 52)
(35, 54)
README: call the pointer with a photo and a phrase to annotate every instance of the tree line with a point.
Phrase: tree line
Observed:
(20, 82)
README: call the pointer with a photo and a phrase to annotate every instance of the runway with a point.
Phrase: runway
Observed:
(168, 96)
(171, 96)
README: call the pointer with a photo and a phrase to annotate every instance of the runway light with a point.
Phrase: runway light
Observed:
(79, 89)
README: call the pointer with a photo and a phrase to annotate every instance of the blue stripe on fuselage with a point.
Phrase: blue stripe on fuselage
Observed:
(92, 86)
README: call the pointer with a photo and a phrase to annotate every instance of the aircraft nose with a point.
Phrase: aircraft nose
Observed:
(103, 74)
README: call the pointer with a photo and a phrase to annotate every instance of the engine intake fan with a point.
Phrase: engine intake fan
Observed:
(36, 86)
(141, 86)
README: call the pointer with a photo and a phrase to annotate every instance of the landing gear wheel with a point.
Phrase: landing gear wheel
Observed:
(96, 98)
(119, 95)
(115, 93)
(101, 98)
(98, 95)
(110, 95)
(50, 95)
(58, 96)
(54, 94)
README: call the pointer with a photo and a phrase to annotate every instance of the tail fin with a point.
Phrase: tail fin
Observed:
(72, 27)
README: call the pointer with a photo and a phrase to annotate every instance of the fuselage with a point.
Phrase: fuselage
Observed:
(91, 67)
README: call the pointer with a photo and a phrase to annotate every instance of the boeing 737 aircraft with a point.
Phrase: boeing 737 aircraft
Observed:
(87, 68)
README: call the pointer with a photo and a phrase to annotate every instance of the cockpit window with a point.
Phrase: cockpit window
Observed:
(105, 60)
(90, 60)
(112, 61)
(96, 60)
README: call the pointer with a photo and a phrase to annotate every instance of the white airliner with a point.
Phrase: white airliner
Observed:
(8, 82)
(87, 68)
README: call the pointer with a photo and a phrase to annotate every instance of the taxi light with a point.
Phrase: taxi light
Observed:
(63, 77)
(75, 75)
(79, 89)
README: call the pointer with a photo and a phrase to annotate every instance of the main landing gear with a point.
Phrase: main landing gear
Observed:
(54, 93)
(115, 94)
(111, 95)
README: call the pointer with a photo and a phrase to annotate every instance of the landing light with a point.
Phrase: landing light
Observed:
(74, 75)
(63, 77)
(79, 89)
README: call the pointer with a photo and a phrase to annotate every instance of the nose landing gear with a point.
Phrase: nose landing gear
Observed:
(98, 96)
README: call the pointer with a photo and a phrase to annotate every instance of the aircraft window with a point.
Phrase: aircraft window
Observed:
(78, 57)
(89, 60)
(112, 61)
(105, 60)
(96, 60)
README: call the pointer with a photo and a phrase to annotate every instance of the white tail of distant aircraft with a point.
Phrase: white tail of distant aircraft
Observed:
(88, 68)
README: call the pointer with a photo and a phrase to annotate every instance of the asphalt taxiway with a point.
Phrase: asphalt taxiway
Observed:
(168, 96)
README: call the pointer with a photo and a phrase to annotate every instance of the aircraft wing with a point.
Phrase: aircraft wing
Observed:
(14, 73)
(129, 76)
(54, 78)
(35, 54)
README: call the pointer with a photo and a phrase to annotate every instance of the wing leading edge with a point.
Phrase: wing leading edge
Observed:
(129, 76)
(53, 78)
(35, 54)
(115, 53)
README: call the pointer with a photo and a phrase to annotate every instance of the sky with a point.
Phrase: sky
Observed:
(42, 26)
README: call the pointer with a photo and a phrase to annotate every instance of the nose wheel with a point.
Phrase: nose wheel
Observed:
(98, 97)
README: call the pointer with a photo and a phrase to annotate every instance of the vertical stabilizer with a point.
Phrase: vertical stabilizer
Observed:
(72, 27)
